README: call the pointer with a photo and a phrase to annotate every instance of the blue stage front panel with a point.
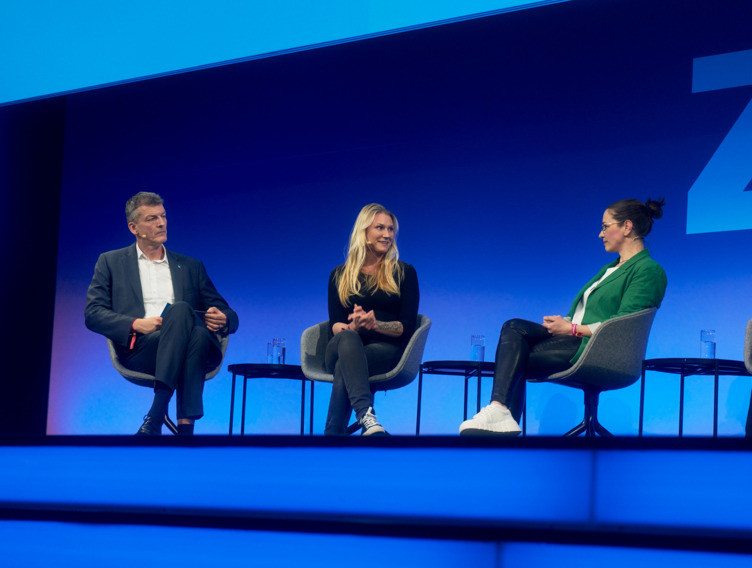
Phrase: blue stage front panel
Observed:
(539, 555)
(472, 484)
(655, 490)
(41, 544)
(689, 489)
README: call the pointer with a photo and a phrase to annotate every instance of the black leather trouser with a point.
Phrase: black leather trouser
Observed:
(527, 350)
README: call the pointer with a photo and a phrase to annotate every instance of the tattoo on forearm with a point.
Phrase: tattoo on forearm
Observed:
(390, 326)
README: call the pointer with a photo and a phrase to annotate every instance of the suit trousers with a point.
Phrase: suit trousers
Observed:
(527, 350)
(352, 362)
(178, 355)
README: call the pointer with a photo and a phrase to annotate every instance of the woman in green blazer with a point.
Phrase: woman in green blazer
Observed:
(630, 283)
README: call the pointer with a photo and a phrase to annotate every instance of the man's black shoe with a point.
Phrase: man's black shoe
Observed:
(150, 427)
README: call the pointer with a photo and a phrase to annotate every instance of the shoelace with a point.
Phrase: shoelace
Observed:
(369, 420)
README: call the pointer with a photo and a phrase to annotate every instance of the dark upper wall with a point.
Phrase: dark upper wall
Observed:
(31, 161)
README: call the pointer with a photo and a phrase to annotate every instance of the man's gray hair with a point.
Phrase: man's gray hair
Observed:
(141, 198)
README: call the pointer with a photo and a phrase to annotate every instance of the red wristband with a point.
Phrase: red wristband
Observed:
(574, 329)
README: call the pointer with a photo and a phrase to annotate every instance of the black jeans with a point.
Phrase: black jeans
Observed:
(352, 362)
(178, 355)
(527, 351)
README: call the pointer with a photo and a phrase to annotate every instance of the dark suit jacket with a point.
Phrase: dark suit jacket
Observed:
(114, 299)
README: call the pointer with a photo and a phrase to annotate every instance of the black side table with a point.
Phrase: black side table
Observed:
(466, 369)
(688, 368)
(266, 371)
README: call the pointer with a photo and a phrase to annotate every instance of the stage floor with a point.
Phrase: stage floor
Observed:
(649, 494)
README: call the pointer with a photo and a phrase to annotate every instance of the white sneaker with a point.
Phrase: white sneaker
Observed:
(370, 425)
(494, 420)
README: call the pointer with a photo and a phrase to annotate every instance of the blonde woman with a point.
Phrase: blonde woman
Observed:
(373, 308)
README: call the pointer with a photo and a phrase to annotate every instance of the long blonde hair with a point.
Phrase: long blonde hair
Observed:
(348, 283)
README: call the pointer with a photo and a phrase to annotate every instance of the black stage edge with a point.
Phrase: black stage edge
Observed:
(670, 443)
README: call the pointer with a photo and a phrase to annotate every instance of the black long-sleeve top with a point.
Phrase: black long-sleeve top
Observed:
(386, 307)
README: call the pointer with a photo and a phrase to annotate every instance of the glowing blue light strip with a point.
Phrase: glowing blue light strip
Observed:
(51, 47)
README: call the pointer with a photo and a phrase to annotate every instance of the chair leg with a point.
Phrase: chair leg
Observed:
(352, 428)
(577, 430)
(602, 431)
(420, 391)
(590, 424)
(170, 424)
(597, 426)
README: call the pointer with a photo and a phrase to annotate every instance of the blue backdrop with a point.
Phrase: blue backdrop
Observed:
(497, 142)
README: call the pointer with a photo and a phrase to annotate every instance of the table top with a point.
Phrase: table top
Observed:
(266, 371)
(458, 367)
(695, 366)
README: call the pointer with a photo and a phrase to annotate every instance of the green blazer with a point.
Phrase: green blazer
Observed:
(639, 284)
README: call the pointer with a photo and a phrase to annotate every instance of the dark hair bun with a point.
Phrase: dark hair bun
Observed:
(655, 208)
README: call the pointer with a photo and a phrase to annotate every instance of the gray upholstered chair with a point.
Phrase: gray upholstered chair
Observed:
(313, 348)
(146, 380)
(612, 360)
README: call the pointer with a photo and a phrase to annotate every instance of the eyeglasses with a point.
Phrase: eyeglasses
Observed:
(605, 226)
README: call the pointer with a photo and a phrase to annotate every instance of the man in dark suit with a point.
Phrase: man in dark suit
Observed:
(162, 312)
